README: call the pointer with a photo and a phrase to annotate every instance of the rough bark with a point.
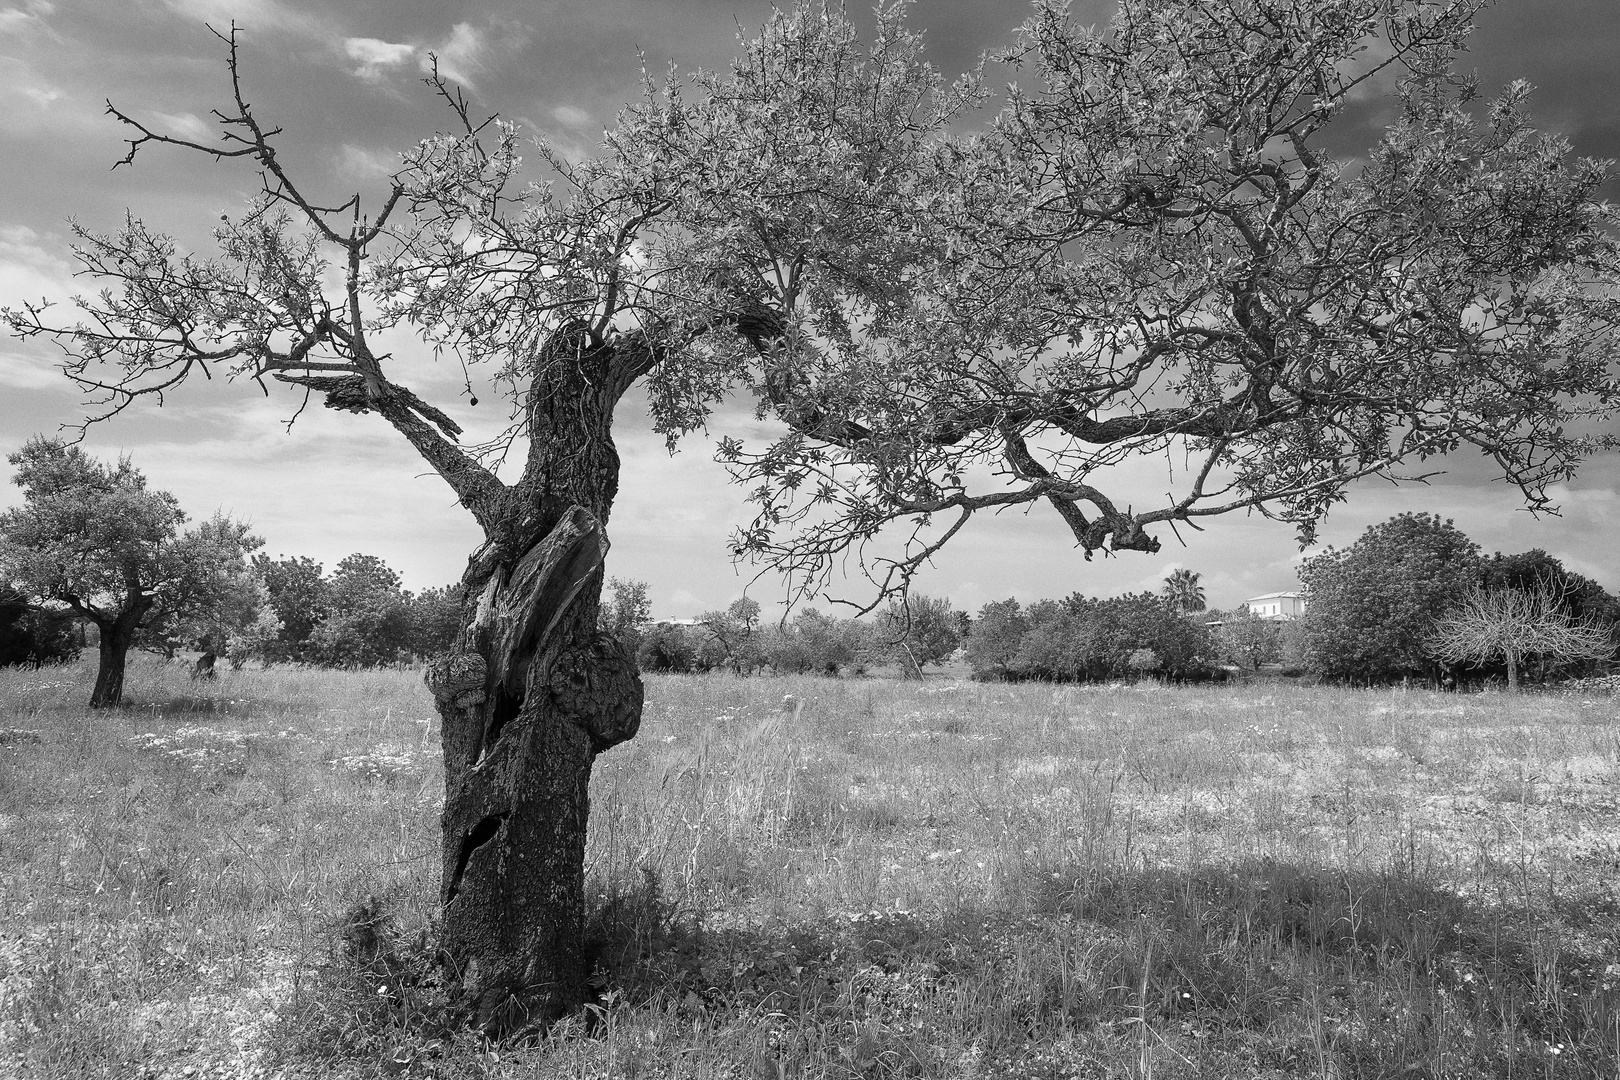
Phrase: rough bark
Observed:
(117, 637)
(531, 695)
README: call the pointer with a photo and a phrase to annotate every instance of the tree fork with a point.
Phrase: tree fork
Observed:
(532, 695)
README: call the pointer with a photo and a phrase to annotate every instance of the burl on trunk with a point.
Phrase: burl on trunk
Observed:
(533, 692)
(532, 696)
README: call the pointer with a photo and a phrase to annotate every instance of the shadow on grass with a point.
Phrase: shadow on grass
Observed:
(1382, 974)
(1220, 971)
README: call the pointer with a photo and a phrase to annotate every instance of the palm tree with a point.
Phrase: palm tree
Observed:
(1181, 588)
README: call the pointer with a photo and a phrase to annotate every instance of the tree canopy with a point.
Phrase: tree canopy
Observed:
(1372, 606)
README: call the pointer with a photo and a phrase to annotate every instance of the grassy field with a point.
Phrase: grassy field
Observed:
(816, 878)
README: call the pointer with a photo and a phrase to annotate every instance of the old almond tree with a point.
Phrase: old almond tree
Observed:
(944, 304)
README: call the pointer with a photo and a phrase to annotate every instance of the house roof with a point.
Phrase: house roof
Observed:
(1272, 596)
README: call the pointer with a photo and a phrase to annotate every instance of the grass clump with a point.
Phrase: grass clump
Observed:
(377, 997)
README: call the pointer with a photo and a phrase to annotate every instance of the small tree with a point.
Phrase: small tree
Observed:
(232, 626)
(666, 647)
(997, 634)
(1579, 597)
(920, 630)
(829, 644)
(257, 637)
(1249, 641)
(94, 540)
(1515, 624)
(626, 613)
(732, 636)
(746, 611)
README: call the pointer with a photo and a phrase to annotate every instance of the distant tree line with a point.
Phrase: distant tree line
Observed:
(907, 635)
(358, 616)
(1413, 597)
(1085, 639)
(276, 611)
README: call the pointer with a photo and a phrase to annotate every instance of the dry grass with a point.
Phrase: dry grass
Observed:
(812, 878)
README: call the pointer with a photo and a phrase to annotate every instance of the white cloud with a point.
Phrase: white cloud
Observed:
(31, 103)
(16, 20)
(377, 51)
(376, 55)
(361, 164)
(186, 125)
(28, 271)
(570, 117)
(459, 56)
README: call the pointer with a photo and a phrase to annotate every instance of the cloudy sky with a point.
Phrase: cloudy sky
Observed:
(343, 80)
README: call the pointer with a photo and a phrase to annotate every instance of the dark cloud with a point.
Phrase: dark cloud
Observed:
(1570, 51)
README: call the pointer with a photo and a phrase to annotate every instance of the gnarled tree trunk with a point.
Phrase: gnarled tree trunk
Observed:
(529, 698)
(117, 636)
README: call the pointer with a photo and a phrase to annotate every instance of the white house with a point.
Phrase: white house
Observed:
(1277, 605)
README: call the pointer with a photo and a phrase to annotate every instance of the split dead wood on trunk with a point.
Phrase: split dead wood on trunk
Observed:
(532, 696)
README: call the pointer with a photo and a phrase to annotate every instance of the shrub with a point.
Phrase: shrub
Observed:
(666, 647)
(31, 635)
